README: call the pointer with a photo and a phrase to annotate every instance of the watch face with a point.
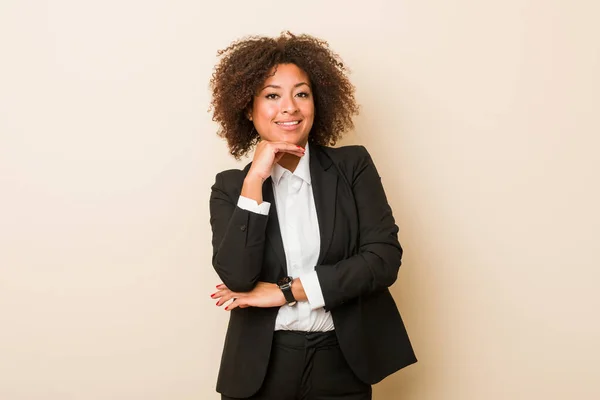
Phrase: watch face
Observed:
(284, 281)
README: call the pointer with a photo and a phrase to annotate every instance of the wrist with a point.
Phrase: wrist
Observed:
(252, 188)
(282, 301)
(253, 178)
(298, 290)
(285, 285)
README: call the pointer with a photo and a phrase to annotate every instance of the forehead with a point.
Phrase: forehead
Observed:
(286, 73)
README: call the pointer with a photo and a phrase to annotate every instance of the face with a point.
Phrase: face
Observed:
(283, 109)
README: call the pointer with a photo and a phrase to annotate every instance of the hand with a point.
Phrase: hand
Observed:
(268, 153)
(263, 295)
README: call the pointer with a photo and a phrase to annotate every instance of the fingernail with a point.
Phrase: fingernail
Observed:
(217, 303)
(212, 295)
(226, 308)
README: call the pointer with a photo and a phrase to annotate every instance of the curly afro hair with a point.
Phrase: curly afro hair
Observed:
(246, 64)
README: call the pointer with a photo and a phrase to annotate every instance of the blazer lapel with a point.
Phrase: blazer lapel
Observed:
(273, 231)
(324, 184)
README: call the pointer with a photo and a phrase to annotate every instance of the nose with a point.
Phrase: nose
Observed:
(288, 105)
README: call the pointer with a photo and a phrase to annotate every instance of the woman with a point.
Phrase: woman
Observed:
(304, 240)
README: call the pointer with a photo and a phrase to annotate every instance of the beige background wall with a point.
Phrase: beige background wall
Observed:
(482, 116)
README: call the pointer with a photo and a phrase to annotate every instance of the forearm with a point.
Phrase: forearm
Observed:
(252, 188)
(238, 240)
(375, 265)
(372, 269)
(238, 258)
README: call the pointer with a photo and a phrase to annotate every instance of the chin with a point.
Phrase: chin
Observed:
(293, 138)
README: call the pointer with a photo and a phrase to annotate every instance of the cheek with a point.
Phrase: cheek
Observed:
(267, 112)
(309, 111)
(309, 106)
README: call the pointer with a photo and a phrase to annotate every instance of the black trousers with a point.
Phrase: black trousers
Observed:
(309, 366)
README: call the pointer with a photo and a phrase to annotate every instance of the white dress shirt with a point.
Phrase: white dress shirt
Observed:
(299, 227)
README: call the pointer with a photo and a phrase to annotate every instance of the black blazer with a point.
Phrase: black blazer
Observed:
(359, 259)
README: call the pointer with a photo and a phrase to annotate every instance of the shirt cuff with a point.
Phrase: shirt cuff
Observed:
(312, 288)
(252, 205)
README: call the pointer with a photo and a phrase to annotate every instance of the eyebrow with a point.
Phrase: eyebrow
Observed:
(279, 87)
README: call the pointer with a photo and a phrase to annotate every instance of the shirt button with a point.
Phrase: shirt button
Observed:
(243, 228)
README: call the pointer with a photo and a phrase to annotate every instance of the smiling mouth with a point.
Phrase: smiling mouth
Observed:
(288, 123)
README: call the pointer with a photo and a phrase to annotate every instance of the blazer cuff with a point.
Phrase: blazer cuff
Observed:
(312, 288)
(252, 205)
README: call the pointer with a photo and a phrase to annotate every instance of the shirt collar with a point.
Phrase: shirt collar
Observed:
(302, 169)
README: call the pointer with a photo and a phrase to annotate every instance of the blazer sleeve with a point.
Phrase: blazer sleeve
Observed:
(238, 236)
(376, 264)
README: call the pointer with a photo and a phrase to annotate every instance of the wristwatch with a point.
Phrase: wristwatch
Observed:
(285, 284)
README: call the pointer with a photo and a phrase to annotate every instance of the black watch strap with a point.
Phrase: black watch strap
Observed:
(285, 284)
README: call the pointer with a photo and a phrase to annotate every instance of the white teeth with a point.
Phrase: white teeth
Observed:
(288, 123)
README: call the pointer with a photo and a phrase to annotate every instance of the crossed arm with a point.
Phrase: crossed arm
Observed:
(239, 239)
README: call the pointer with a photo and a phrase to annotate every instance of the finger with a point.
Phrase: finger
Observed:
(220, 293)
(223, 290)
(234, 304)
(294, 152)
(226, 298)
(287, 147)
(280, 153)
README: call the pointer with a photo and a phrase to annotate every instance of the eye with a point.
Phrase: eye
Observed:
(303, 95)
(272, 96)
